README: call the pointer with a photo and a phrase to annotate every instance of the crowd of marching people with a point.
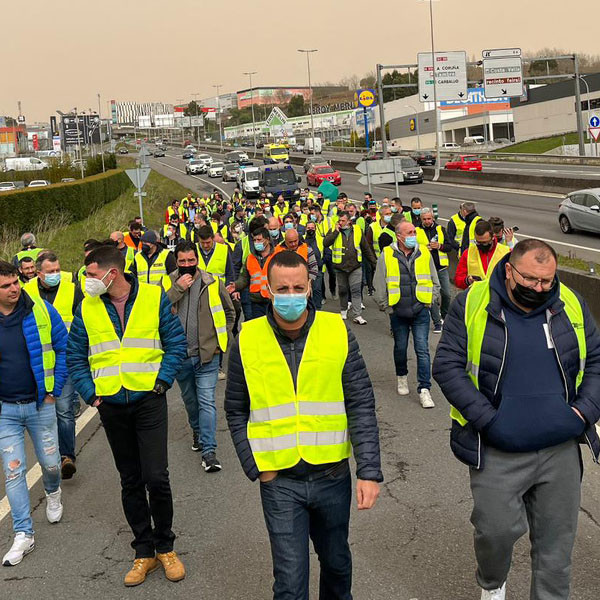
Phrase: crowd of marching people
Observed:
(251, 278)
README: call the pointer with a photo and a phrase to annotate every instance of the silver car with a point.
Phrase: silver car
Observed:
(580, 210)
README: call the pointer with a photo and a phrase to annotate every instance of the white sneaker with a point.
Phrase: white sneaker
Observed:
(23, 545)
(499, 594)
(362, 306)
(425, 399)
(54, 507)
(344, 314)
(360, 321)
(403, 385)
(221, 375)
(349, 305)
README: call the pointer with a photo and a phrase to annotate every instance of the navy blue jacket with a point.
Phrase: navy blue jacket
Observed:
(172, 338)
(480, 407)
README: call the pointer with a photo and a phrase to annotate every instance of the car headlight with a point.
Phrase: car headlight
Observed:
(404, 174)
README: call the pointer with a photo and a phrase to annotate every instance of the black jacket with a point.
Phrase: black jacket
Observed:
(464, 244)
(358, 396)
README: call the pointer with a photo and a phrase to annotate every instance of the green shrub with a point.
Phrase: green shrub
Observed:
(24, 209)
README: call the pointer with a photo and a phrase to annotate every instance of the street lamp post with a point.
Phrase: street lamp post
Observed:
(250, 73)
(180, 103)
(437, 114)
(79, 143)
(100, 128)
(589, 101)
(218, 87)
(416, 125)
(195, 97)
(312, 124)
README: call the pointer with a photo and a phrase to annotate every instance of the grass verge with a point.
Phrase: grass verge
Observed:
(577, 263)
(541, 145)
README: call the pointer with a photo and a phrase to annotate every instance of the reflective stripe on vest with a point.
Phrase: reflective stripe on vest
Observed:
(476, 315)
(134, 361)
(377, 231)
(423, 240)
(218, 314)
(258, 276)
(44, 328)
(424, 287)
(307, 422)
(475, 266)
(157, 274)
(217, 263)
(338, 246)
(65, 296)
(460, 227)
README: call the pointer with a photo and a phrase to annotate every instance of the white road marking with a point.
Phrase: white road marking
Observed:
(35, 473)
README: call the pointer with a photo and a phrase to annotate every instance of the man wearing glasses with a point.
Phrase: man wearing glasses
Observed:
(519, 361)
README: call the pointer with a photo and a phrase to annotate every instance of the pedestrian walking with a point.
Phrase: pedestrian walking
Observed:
(519, 361)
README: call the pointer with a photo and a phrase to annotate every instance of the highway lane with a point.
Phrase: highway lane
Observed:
(534, 212)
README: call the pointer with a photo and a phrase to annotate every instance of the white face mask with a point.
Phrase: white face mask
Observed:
(96, 287)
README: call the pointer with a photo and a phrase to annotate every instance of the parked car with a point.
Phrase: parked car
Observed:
(464, 162)
(7, 186)
(424, 158)
(312, 161)
(216, 169)
(159, 152)
(373, 155)
(187, 154)
(195, 166)
(317, 174)
(38, 183)
(123, 150)
(230, 171)
(68, 179)
(580, 210)
(25, 163)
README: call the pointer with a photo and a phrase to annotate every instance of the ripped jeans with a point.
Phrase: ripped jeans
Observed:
(41, 425)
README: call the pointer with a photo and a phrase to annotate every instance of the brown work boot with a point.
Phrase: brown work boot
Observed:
(174, 569)
(67, 468)
(139, 571)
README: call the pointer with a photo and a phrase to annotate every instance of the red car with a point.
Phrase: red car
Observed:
(317, 174)
(464, 162)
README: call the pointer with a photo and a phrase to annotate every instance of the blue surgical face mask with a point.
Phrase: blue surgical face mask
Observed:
(313, 218)
(288, 226)
(387, 218)
(274, 233)
(260, 246)
(289, 307)
(410, 241)
(416, 211)
(52, 279)
(394, 209)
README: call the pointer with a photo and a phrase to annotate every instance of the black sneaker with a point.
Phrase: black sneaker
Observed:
(196, 445)
(210, 463)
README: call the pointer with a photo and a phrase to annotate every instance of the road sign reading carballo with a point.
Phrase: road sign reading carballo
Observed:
(364, 98)
(450, 76)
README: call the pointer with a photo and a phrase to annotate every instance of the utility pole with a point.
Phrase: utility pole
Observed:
(79, 142)
(100, 126)
(578, 106)
(312, 124)
(180, 102)
(218, 87)
(381, 112)
(437, 114)
(195, 97)
(250, 73)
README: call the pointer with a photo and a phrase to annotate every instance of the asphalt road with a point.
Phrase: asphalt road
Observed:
(535, 213)
(416, 544)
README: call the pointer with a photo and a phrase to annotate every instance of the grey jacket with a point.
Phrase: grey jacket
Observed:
(350, 259)
(408, 306)
(201, 321)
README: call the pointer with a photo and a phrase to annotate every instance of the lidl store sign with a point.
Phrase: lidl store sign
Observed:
(364, 98)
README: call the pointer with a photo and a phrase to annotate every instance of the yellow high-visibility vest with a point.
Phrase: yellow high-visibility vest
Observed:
(65, 296)
(309, 421)
(129, 258)
(476, 315)
(460, 227)
(377, 231)
(424, 289)
(132, 362)
(157, 273)
(32, 253)
(338, 246)
(423, 240)
(217, 263)
(475, 266)
(472, 229)
(218, 314)
(44, 329)
(278, 212)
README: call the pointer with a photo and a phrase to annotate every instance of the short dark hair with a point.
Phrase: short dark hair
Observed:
(205, 232)
(497, 223)
(415, 199)
(261, 231)
(8, 269)
(291, 216)
(106, 257)
(543, 251)
(343, 213)
(174, 217)
(134, 225)
(186, 246)
(91, 244)
(47, 255)
(482, 227)
(315, 207)
(259, 222)
(287, 259)
(25, 259)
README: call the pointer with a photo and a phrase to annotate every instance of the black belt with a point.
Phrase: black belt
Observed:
(24, 401)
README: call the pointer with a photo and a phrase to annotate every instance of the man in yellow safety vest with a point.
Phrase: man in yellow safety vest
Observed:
(154, 263)
(294, 420)
(125, 348)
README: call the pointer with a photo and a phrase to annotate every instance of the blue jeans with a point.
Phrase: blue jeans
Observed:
(438, 313)
(65, 417)
(297, 511)
(41, 425)
(401, 328)
(198, 383)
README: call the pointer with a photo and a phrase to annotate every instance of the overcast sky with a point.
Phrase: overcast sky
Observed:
(61, 54)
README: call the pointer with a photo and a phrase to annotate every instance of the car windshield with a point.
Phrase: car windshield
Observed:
(324, 170)
(217, 165)
(470, 158)
(232, 167)
(278, 151)
(252, 176)
(286, 177)
(407, 163)
(195, 162)
(204, 156)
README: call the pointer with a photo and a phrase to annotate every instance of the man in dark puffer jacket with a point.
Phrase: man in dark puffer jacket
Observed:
(523, 406)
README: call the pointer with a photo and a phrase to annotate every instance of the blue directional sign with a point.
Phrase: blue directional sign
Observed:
(595, 121)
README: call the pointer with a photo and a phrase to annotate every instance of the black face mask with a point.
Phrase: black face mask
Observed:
(146, 249)
(310, 234)
(484, 247)
(187, 270)
(529, 298)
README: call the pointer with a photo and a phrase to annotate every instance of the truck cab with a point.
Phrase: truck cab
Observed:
(279, 179)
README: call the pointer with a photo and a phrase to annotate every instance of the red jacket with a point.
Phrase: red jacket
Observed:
(460, 278)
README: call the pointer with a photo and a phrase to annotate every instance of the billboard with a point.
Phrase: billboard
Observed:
(145, 121)
(82, 129)
(476, 102)
(276, 96)
(164, 120)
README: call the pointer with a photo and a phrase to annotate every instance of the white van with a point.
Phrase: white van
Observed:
(248, 180)
(450, 146)
(24, 163)
(474, 140)
(308, 146)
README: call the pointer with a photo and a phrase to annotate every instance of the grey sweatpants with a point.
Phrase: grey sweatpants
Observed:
(536, 490)
(350, 282)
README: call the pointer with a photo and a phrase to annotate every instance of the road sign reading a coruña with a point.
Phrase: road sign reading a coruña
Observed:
(450, 76)
(502, 73)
